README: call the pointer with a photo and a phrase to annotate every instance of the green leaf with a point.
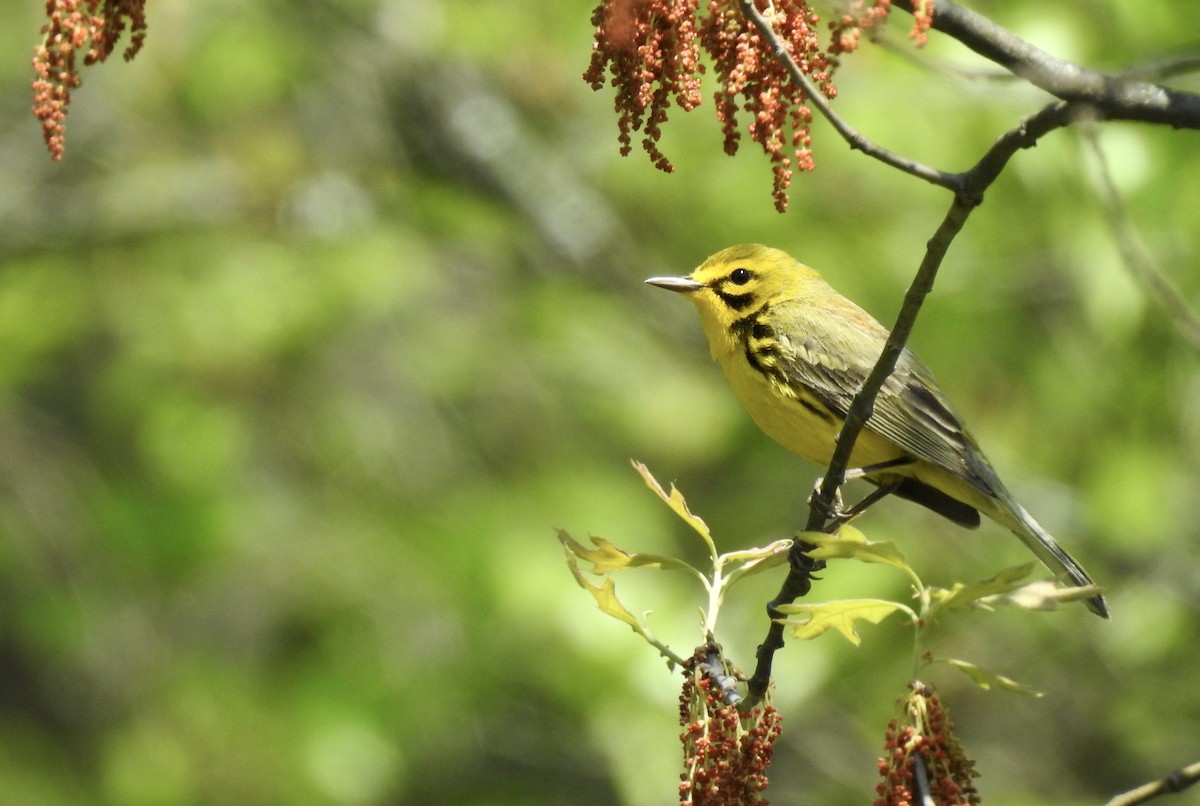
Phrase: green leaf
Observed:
(608, 556)
(776, 552)
(849, 543)
(963, 595)
(604, 594)
(841, 616)
(987, 680)
(676, 502)
(751, 561)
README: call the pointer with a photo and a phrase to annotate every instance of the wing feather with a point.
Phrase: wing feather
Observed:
(911, 409)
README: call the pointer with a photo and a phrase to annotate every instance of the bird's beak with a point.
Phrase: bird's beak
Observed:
(682, 284)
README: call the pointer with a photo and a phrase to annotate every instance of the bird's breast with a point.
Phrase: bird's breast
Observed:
(792, 415)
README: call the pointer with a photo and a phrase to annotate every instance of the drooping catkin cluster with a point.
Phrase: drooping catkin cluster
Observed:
(860, 17)
(651, 48)
(925, 729)
(746, 68)
(87, 28)
(725, 753)
(651, 51)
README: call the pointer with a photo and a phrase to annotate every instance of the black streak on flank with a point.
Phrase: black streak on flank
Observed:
(764, 359)
(820, 412)
(754, 359)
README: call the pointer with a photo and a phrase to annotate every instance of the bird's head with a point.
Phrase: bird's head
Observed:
(740, 282)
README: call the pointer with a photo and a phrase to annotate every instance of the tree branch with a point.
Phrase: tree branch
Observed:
(1177, 781)
(1116, 97)
(1158, 69)
(972, 184)
(1082, 93)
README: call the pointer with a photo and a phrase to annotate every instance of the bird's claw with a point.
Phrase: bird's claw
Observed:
(835, 511)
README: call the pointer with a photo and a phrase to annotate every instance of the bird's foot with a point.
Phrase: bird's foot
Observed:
(831, 512)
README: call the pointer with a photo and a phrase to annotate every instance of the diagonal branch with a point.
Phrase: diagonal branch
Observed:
(1174, 783)
(975, 181)
(973, 184)
(1081, 93)
(1168, 66)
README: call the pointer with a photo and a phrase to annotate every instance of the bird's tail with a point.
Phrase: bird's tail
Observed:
(1056, 559)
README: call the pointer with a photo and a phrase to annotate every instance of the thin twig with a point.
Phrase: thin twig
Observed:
(863, 404)
(1171, 784)
(797, 583)
(974, 182)
(1024, 135)
(1138, 260)
(921, 781)
(1165, 67)
(944, 67)
(817, 99)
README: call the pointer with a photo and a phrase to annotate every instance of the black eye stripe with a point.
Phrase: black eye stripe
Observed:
(737, 302)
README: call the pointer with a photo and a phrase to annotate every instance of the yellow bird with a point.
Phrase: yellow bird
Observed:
(796, 351)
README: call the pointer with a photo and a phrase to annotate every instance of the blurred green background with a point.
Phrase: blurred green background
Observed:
(333, 312)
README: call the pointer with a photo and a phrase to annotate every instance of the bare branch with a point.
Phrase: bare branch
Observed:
(1177, 781)
(972, 184)
(1083, 94)
(1115, 97)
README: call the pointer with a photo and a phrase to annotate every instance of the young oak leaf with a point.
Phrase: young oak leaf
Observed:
(987, 680)
(849, 543)
(775, 552)
(676, 502)
(608, 556)
(963, 595)
(604, 594)
(841, 616)
(751, 561)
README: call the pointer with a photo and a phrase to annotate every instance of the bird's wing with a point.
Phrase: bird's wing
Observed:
(910, 410)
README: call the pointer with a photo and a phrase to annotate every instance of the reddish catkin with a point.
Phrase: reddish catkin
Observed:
(747, 70)
(725, 753)
(650, 52)
(924, 729)
(87, 28)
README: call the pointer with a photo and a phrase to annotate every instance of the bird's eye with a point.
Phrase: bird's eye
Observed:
(740, 276)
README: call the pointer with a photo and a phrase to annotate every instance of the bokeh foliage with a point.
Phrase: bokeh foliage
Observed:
(333, 311)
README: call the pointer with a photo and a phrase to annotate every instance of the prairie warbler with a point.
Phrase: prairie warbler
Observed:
(796, 351)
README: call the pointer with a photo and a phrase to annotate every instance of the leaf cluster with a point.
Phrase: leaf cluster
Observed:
(808, 620)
